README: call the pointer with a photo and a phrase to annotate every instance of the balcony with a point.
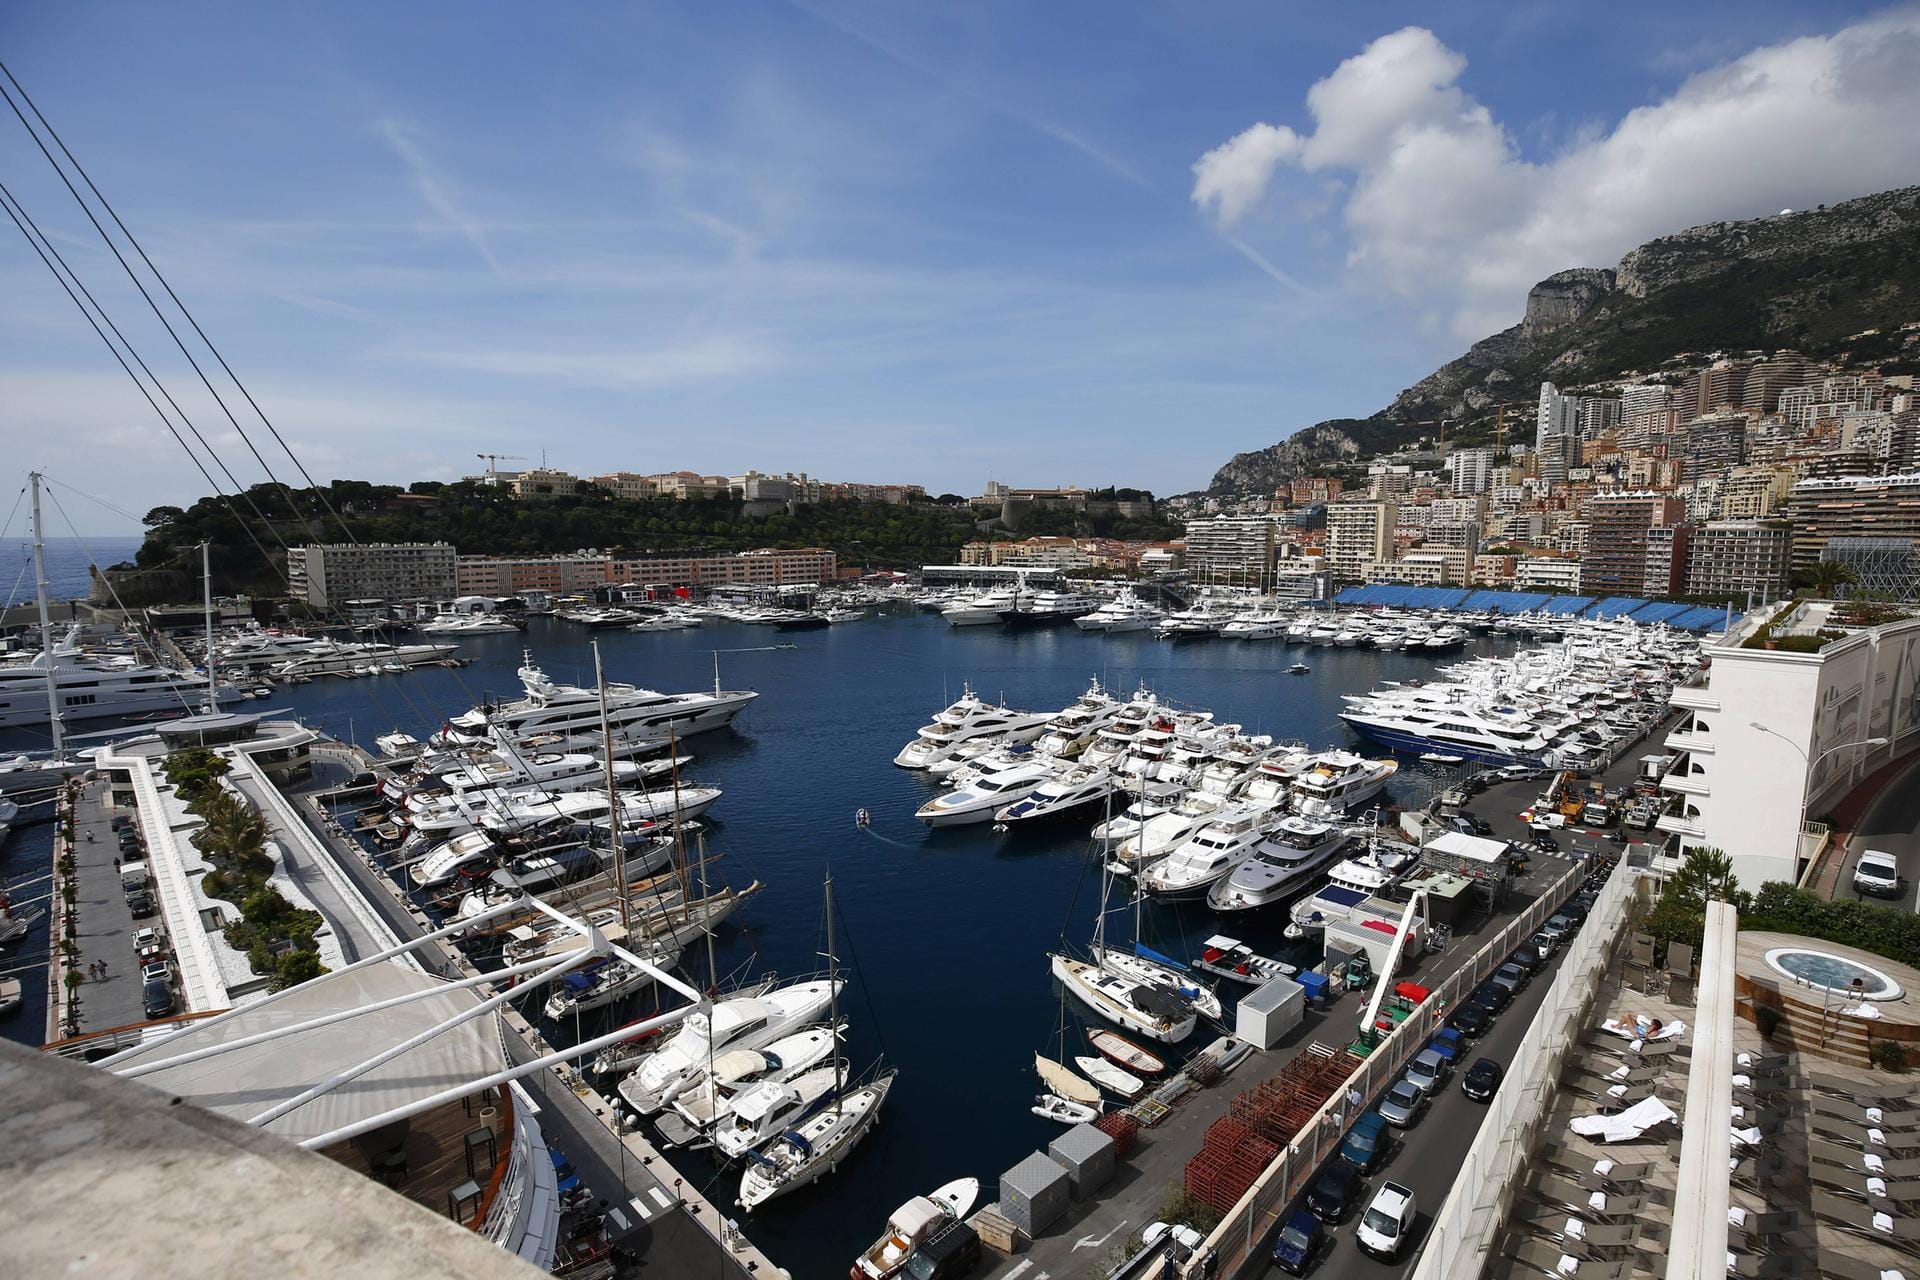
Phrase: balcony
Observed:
(1686, 784)
(1675, 825)
(1690, 740)
(1694, 698)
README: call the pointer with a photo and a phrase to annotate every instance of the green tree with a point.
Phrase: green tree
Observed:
(1825, 576)
(296, 967)
(1706, 875)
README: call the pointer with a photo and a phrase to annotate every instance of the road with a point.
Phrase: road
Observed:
(1891, 824)
(1426, 1158)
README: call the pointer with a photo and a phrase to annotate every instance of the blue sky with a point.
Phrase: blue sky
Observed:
(871, 241)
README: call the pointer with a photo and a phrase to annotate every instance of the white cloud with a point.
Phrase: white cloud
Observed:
(1441, 206)
(433, 190)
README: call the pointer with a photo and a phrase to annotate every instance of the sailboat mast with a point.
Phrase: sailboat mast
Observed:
(833, 1003)
(679, 823)
(613, 800)
(46, 622)
(713, 969)
(206, 593)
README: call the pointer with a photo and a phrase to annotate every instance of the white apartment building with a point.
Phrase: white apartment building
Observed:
(1416, 568)
(1456, 545)
(1232, 549)
(1358, 534)
(1776, 737)
(1305, 578)
(327, 574)
(1546, 573)
(1472, 471)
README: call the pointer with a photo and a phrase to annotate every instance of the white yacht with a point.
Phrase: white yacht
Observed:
(1202, 622)
(539, 809)
(1256, 626)
(979, 610)
(572, 713)
(743, 1022)
(94, 687)
(1338, 781)
(1350, 883)
(1073, 730)
(608, 982)
(980, 799)
(1144, 964)
(1420, 728)
(1166, 831)
(816, 1146)
(971, 718)
(1285, 864)
(444, 863)
(1125, 612)
(1211, 853)
(1150, 800)
(1047, 608)
(738, 1070)
(764, 1110)
(1067, 792)
(1132, 1003)
(335, 657)
(467, 624)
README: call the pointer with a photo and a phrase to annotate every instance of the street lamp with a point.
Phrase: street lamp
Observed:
(1811, 765)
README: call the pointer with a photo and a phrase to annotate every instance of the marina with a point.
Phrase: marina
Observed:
(853, 697)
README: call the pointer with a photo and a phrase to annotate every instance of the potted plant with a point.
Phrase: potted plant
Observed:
(1889, 1055)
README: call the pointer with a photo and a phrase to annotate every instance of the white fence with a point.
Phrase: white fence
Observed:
(1464, 1229)
(1237, 1246)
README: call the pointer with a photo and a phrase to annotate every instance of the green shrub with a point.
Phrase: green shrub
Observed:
(1885, 931)
(1889, 1055)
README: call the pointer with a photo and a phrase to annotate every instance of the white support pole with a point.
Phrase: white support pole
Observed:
(571, 961)
(460, 1091)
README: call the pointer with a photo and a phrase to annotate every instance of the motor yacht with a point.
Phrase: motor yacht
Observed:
(742, 1022)
(980, 610)
(1164, 832)
(1256, 626)
(1150, 801)
(95, 686)
(570, 713)
(1350, 883)
(737, 1071)
(1124, 613)
(1285, 864)
(762, 1111)
(1070, 790)
(1338, 781)
(980, 799)
(969, 719)
(1074, 728)
(1047, 608)
(1210, 853)
(468, 624)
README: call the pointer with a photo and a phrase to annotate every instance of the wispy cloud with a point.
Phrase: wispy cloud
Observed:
(718, 357)
(433, 190)
(995, 103)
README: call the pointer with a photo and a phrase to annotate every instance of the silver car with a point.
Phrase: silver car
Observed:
(1402, 1104)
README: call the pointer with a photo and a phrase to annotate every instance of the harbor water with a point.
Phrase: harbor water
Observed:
(943, 935)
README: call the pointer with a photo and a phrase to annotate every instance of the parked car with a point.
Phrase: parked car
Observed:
(159, 970)
(1577, 907)
(1294, 1248)
(1544, 943)
(1482, 1080)
(1559, 927)
(1334, 1191)
(140, 903)
(950, 1252)
(1511, 976)
(1470, 1020)
(1544, 841)
(1876, 873)
(1387, 1224)
(1365, 1145)
(1528, 957)
(1449, 1044)
(1427, 1071)
(1491, 996)
(1402, 1103)
(157, 998)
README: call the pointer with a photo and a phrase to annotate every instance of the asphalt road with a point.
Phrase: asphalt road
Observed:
(1890, 824)
(1426, 1158)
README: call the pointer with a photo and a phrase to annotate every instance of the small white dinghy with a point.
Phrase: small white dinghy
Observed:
(1051, 1106)
(910, 1226)
(1110, 1077)
(1441, 757)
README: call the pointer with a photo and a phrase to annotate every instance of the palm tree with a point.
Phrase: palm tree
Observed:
(1826, 575)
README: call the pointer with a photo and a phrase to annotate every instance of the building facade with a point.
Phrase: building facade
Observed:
(1615, 560)
(327, 574)
(1472, 471)
(1851, 507)
(1358, 534)
(1734, 557)
(1232, 549)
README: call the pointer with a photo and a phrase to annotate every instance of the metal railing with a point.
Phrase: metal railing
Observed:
(1467, 1223)
(1236, 1247)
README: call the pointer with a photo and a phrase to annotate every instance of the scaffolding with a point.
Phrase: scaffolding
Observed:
(1883, 568)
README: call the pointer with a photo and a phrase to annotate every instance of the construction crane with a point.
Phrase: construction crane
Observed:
(1402, 935)
(492, 459)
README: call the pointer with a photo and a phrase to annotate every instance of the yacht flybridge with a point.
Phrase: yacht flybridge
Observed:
(1338, 781)
(1284, 865)
(970, 719)
(572, 714)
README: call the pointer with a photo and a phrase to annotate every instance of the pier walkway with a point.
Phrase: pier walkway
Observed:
(103, 925)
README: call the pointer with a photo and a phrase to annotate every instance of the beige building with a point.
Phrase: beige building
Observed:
(1232, 549)
(1359, 534)
(542, 483)
(1737, 556)
(327, 574)
(1547, 573)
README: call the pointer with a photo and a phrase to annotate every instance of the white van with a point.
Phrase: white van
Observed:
(1878, 874)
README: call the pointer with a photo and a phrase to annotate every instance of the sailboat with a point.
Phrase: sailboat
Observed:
(1070, 1099)
(816, 1146)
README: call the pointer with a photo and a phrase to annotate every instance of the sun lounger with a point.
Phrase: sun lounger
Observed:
(1543, 1257)
(1563, 1195)
(1750, 1266)
(1756, 1226)
(1857, 1216)
(1757, 1063)
(1872, 1114)
(1754, 1170)
(1856, 1157)
(1866, 1095)
(1842, 1266)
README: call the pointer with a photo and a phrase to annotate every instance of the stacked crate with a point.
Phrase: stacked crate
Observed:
(1280, 1108)
(1228, 1161)
(1123, 1128)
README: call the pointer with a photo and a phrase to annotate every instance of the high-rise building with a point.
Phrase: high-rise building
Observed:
(1767, 379)
(1755, 492)
(1359, 534)
(327, 574)
(1232, 549)
(1556, 428)
(1472, 470)
(1715, 443)
(1456, 545)
(1668, 549)
(1733, 557)
(1597, 415)
(1851, 506)
(1615, 561)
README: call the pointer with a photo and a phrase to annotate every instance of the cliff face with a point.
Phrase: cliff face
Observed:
(1807, 281)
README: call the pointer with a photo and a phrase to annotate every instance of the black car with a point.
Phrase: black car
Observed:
(950, 1252)
(1482, 1079)
(140, 904)
(1333, 1193)
(1470, 1019)
(1491, 997)
(1528, 957)
(1544, 840)
(1576, 907)
(157, 998)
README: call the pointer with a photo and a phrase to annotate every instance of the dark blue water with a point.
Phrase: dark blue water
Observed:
(67, 561)
(946, 933)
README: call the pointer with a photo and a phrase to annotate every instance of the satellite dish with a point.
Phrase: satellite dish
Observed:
(1785, 212)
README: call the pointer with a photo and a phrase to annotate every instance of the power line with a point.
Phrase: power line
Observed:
(158, 314)
(37, 239)
(157, 275)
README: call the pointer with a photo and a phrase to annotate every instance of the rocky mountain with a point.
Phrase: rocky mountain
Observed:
(1809, 281)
